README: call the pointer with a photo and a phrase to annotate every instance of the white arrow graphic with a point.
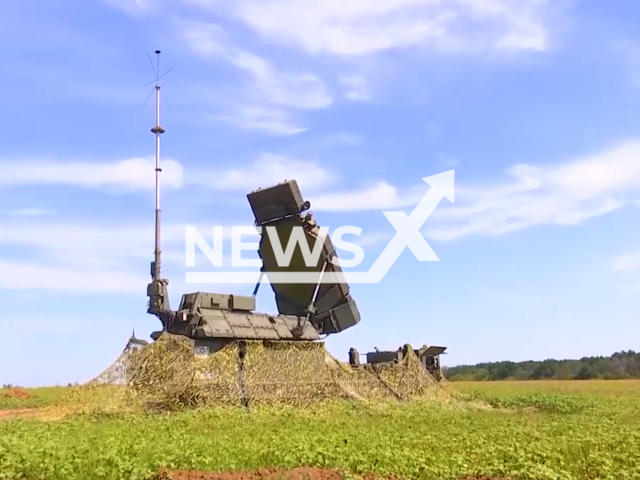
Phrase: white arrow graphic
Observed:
(408, 228)
(407, 235)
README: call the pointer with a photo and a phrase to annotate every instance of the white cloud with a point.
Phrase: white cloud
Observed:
(273, 121)
(88, 258)
(357, 89)
(323, 145)
(268, 99)
(268, 170)
(360, 27)
(380, 196)
(131, 174)
(564, 194)
(98, 245)
(136, 174)
(31, 212)
(94, 245)
(267, 93)
(131, 6)
(15, 275)
(520, 41)
(348, 139)
(373, 239)
(300, 90)
(561, 194)
(558, 194)
(627, 261)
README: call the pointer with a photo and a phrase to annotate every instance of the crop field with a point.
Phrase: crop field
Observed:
(518, 430)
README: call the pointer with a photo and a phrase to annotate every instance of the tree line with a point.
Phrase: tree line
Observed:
(620, 365)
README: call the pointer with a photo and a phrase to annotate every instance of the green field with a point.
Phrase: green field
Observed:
(520, 430)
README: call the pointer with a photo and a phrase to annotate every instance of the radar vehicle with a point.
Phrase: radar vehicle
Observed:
(306, 311)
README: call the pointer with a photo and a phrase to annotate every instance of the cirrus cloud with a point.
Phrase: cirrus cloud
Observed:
(360, 27)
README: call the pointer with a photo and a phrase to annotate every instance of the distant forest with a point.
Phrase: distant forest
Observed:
(618, 366)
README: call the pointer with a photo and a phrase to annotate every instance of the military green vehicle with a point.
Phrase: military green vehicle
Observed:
(306, 311)
(429, 358)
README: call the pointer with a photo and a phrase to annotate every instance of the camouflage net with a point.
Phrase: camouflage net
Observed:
(167, 375)
(116, 374)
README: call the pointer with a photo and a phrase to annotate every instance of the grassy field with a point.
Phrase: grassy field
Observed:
(521, 430)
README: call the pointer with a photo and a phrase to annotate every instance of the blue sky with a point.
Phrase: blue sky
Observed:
(534, 103)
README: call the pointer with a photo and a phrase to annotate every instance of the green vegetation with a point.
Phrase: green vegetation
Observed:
(16, 397)
(535, 430)
(621, 365)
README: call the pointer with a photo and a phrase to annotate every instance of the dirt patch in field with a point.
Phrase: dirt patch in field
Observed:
(485, 478)
(303, 473)
(19, 393)
(266, 474)
(18, 413)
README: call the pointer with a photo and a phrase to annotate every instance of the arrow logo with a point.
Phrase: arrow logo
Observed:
(407, 235)
(408, 228)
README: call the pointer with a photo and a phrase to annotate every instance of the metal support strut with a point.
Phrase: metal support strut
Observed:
(255, 290)
(311, 309)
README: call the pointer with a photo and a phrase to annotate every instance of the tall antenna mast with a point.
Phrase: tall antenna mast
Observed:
(157, 130)
(157, 289)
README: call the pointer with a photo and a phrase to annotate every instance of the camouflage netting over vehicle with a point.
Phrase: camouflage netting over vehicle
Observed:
(217, 349)
(167, 375)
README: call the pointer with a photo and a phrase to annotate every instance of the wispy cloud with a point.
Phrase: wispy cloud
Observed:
(87, 257)
(559, 194)
(19, 275)
(85, 244)
(272, 100)
(267, 91)
(378, 196)
(627, 261)
(94, 258)
(363, 27)
(356, 88)
(270, 120)
(562, 194)
(96, 244)
(138, 174)
(348, 139)
(131, 6)
(31, 212)
(294, 89)
(268, 170)
(131, 174)
(99, 258)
